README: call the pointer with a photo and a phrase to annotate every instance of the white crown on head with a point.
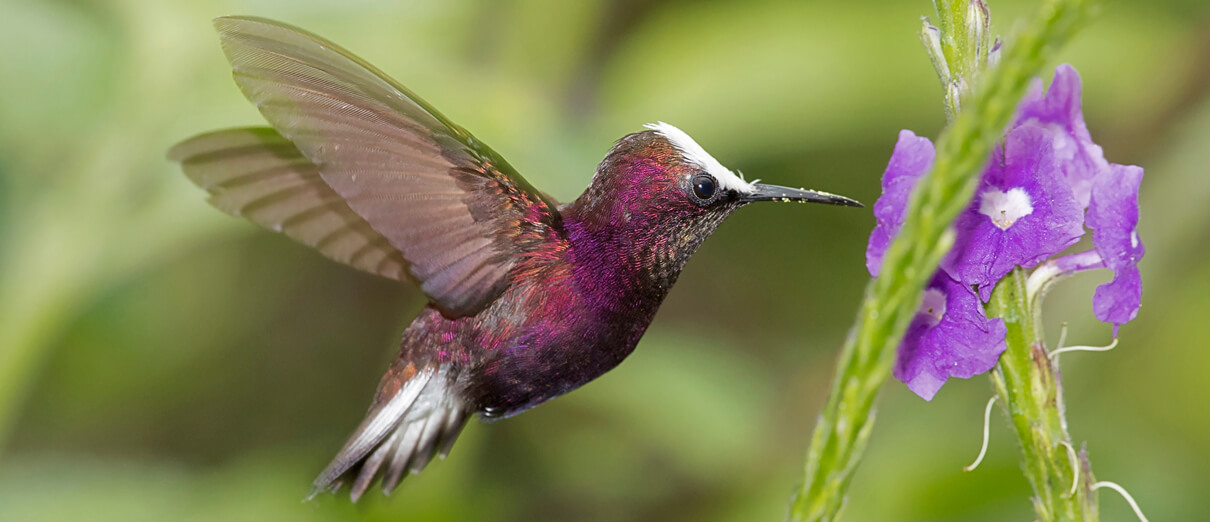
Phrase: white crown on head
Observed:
(696, 155)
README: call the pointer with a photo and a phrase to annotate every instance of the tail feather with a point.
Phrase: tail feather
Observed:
(381, 419)
(370, 467)
(402, 432)
(453, 427)
(423, 452)
(403, 453)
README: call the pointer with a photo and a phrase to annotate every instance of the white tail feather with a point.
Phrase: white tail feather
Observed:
(421, 419)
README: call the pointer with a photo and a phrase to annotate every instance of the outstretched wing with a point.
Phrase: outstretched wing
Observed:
(257, 174)
(458, 215)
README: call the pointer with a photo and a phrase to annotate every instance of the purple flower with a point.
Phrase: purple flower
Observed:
(1059, 109)
(913, 156)
(949, 337)
(1022, 213)
(1030, 205)
(1113, 216)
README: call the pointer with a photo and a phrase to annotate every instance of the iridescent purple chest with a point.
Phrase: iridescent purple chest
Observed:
(551, 332)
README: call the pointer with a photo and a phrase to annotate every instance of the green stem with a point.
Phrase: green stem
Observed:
(1030, 392)
(843, 429)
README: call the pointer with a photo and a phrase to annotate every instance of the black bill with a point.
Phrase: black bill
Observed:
(762, 192)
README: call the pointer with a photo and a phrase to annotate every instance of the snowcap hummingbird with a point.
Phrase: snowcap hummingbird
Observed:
(528, 299)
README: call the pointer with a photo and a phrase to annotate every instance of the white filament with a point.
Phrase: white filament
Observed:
(1106, 348)
(987, 417)
(1122, 491)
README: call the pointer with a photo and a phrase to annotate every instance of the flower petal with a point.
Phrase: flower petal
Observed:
(1060, 109)
(1118, 301)
(911, 159)
(962, 344)
(1113, 216)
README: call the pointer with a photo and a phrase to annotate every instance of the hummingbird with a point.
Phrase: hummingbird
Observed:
(528, 299)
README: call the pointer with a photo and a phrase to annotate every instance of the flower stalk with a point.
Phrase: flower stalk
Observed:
(843, 428)
(1028, 387)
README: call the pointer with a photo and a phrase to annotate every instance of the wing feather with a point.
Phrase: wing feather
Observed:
(257, 174)
(456, 214)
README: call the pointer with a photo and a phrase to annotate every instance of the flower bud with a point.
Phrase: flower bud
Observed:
(930, 36)
(955, 91)
(978, 23)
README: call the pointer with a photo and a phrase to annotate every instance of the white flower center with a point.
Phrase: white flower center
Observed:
(1005, 208)
(933, 305)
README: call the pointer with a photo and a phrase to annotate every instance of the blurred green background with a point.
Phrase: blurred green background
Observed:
(162, 361)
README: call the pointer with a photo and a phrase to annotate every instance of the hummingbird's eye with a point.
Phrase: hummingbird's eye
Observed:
(703, 187)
